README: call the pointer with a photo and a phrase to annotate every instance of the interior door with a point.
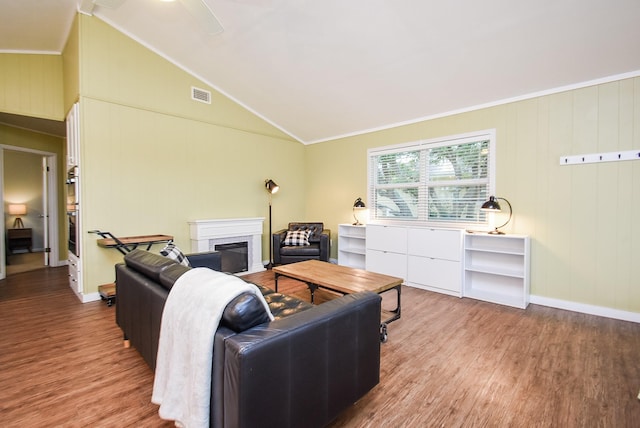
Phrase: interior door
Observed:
(45, 208)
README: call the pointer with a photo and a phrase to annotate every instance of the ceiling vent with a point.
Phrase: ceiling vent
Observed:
(201, 95)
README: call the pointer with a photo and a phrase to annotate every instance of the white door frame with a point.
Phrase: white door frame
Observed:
(52, 198)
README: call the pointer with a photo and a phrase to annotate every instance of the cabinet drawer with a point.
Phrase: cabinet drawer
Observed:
(436, 243)
(387, 263)
(387, 238)
(443, 274)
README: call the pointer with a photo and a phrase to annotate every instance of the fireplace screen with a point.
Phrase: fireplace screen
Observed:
(234, 256)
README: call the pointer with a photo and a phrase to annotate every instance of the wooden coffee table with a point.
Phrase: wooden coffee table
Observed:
(343, 280)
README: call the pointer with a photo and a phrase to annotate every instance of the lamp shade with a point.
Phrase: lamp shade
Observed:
(358, 204)
(17, 209)
(271, 186)
(493, 205)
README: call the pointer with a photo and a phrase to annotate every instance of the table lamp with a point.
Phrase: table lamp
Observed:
(492, 205)
(18, 210)
(358, 205)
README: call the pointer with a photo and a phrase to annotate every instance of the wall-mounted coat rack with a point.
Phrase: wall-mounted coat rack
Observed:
(600, 157)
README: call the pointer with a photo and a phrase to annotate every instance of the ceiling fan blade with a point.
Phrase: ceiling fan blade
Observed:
(111, 4)
(86, 6)
(205, 17)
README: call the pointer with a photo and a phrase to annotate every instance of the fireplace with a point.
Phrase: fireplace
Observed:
(209, 235)
(233, 256)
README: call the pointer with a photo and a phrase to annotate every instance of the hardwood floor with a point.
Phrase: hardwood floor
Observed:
(448, 362)
(23, 262)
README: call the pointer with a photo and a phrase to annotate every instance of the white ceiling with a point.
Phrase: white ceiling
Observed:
(323, 69)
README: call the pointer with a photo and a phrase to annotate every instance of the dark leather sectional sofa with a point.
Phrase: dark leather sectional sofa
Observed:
(300, 370)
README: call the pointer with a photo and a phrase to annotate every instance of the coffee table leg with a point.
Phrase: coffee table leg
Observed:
(396, 311)
(384, 335)
(312, 287)
(277, 275)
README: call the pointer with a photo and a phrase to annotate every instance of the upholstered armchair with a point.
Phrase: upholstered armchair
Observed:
(301, 241)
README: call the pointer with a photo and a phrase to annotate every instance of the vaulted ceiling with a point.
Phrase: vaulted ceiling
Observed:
(324, 69)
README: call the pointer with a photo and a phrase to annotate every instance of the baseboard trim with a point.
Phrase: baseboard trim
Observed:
(91, 297)
(586, 309)
(86, 298)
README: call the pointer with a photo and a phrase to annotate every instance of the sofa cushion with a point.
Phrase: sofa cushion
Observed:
(315, 229)
(149, 264)
(171, 274)
(296, 238)
(243, 312)
(306, 250)
(282, 306)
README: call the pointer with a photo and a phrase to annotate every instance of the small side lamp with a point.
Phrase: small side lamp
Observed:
(358, 205)
(492, 205)
(18, 210)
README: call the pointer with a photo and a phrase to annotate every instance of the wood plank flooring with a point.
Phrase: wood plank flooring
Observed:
(448, 362)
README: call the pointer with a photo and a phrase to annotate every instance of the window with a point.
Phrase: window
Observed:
(442, 181)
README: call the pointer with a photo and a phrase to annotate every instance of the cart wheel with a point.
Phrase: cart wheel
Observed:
(383, 333)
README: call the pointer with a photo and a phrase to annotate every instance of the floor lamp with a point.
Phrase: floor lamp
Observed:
(272, 188)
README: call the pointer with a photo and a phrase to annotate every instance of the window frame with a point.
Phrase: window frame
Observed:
(423, 184)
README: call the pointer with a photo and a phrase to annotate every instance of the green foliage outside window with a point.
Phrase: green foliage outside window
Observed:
(443, 183)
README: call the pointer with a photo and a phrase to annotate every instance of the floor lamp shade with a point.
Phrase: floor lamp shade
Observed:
(271, 186)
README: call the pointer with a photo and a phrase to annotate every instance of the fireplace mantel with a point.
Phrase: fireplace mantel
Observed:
(205, 234)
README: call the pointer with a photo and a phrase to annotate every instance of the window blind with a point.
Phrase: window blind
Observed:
(442, 181)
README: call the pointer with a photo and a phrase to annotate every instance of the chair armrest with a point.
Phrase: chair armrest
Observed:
(278, 238)
(211, 260)
(325, 245)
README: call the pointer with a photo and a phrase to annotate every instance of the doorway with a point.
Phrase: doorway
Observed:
(29, 199)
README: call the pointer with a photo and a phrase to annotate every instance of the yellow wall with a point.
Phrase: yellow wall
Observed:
(152, 159)
(71, 67)
(117, 70)
(31, 85)
(582, 219)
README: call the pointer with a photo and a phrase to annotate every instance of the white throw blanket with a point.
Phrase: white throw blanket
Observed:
(192, 312)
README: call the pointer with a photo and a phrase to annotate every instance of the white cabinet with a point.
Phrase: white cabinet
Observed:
(351, 245)
(434, 260)
(75, 273)
(73, 136)
(73, 193)
(387, 250)
(496, 268)
(427, 258)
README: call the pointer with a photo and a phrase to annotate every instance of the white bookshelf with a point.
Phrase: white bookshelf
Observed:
(496, 268)
(351, 245)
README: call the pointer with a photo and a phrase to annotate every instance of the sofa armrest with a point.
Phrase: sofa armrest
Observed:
(305, 369)
(211, 259)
